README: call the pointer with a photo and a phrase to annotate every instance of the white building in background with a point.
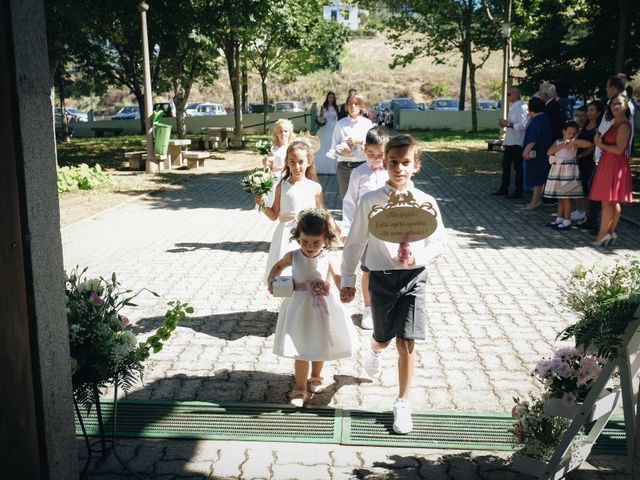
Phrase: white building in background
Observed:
(342, 13)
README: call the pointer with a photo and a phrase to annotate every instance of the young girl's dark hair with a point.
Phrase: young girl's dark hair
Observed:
(316, 221)
(571, 124)
(310, 173)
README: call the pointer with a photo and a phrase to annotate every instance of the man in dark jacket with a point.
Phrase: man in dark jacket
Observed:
(553, 109)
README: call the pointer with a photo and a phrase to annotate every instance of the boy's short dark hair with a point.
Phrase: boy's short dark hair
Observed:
(377, 136)
(536, 105)
(571, 124)
(403, 142)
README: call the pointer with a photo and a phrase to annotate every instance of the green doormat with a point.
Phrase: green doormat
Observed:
(278, 423)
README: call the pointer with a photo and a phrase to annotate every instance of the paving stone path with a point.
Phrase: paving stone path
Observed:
(494, 312)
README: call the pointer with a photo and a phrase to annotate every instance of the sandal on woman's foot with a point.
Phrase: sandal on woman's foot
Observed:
(297, 398)
(316, 384)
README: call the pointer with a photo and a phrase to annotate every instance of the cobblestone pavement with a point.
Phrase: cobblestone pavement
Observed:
(493, 303)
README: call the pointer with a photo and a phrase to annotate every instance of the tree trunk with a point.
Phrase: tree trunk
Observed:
(265, 102)
(140, 99)
(623, 35)
(245, 88)
(66, 137)
(472, 68)
(232, 53)
(180, 101)
(463, 83)
(635, 461)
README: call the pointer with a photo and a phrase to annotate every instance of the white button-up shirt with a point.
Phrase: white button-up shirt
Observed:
(356, 129)
(384, 255)
(363, 179)
(518, 118)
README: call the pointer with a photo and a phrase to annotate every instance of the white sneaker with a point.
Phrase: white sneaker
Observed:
(402, 422)
(367, 319)
(373, 363)
(577, 215)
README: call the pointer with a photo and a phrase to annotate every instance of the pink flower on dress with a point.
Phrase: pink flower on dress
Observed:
(96, 299)
(318, 287)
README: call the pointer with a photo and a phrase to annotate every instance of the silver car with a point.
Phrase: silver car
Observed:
(288, 106)
(444, 105)
(206, 109)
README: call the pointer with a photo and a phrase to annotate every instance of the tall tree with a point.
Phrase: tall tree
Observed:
(437, 28)
(189, 53)
(232, 24)
(292, 40)
(582, 43)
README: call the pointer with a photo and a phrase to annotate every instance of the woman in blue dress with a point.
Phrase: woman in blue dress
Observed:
(537, 140)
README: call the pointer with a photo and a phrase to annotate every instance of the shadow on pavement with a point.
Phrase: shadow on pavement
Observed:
(245, 246)
(226, 326)
(238, 386)
(460, 465)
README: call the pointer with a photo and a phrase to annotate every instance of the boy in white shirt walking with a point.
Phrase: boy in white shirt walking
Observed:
(397, 276)
(369, 176)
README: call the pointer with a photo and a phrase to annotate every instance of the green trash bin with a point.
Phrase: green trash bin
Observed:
(162, 134)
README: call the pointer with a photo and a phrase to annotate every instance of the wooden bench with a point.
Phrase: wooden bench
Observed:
(495, 145)
(135, 159)
(100, 131)
(195, 158)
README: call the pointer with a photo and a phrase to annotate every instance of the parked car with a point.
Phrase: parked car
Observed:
(130, 112)
(259, 107)
(73, 115)
(206, 109)
(403, 104)
(190, 108)
(288, 106)
(168, 108)
(487, 105)
(444, 104)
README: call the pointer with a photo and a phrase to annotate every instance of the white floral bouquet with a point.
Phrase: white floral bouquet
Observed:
(103, 348)
(259, 182)
(569, 374)
(264, 147)
(537, 433)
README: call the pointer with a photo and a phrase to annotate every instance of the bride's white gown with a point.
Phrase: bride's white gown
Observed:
(325, 164)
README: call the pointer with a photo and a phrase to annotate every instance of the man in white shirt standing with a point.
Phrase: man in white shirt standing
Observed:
(516, 125)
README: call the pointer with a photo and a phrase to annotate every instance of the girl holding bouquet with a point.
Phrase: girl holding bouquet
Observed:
(298, 189)
(275, 161)
(312, 325)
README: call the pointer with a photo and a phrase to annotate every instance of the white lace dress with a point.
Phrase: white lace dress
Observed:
(293, 199)
(279, 162)
(302, 331)
(325, 164)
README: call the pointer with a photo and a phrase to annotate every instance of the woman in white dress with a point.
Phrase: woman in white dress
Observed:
(328, 115)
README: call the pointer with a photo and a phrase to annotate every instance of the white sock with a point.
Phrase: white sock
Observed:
(566, 222)
(559, 220)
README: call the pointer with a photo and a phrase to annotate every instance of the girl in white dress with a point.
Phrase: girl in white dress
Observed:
(298, 189)
(328, 114)
(282, 132)
(312, 325)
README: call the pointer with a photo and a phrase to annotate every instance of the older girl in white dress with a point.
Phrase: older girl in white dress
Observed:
(299, 189)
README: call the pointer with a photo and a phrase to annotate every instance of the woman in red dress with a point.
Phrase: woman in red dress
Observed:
(612, 182)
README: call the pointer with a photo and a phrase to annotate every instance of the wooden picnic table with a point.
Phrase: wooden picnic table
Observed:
(176, 149)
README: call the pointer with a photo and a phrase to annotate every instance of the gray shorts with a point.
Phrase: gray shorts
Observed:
(398, 304)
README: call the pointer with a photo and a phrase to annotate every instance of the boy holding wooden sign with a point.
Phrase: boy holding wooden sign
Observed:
(402, 231)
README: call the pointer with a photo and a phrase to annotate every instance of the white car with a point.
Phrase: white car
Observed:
(288, 106)
(205, 109)
(190, 108)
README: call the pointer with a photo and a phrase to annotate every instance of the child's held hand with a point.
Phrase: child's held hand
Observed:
(347, 294)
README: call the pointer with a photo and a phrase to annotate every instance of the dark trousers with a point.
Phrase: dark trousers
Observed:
(512, 157)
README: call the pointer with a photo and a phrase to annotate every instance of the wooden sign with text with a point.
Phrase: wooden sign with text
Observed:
(402, 219)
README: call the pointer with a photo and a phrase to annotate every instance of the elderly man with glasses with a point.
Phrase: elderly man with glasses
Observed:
(516, 124)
